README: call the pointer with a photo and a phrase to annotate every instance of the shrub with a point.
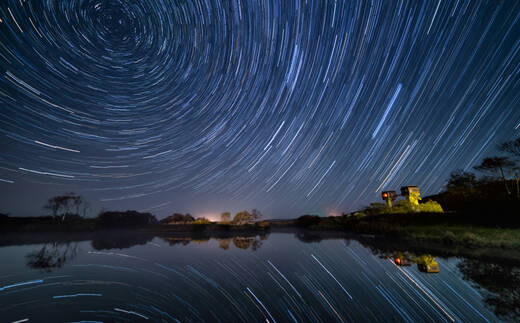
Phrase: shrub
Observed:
(470, 238)
(403, 207)
(201, 221)
(449, 237)
(263, 224)
(129, 218)
(308, 220)
(177, 218)
(431, 207)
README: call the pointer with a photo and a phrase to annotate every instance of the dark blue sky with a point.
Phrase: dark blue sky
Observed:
(290, 107)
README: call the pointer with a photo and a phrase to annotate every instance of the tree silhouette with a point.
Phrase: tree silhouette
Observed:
(461, 179)
(63, 206)
(496, 165)
(513, 149)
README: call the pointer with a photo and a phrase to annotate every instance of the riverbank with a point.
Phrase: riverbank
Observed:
(23, 225)
(449, 229)
(444, 230)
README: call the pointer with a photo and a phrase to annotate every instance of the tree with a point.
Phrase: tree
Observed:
(62, 206)
(461, 179)
(256, 214)
(513, 149)
(225, 217)
(243, 216)
(496, 165)
(86, 207)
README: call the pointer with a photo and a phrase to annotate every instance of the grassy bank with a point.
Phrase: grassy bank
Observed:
(446, 228)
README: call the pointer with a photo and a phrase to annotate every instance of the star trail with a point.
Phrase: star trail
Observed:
(284, 106)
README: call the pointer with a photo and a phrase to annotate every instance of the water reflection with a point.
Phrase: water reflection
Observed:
(120, 240)
(498, 282)
(425, 262)
(51, 256)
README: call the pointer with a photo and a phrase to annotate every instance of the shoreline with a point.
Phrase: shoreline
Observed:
(442, 233)
(380, 244)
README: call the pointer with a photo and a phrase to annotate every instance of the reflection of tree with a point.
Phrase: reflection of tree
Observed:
(308, 237)
(224, 243)
(121, 240)
(174, 240)
(243, 242)
(51, 256)
(246, 242)
(501, 283)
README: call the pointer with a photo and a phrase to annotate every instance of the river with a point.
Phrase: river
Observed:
(276, 277)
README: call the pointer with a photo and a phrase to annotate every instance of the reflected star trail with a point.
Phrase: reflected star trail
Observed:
(284, 280)
(219, 105)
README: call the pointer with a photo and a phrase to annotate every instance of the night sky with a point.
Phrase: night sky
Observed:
(290, 107)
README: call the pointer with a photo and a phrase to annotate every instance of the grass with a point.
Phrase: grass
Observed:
(449, 229)
(444, 233)
(469, 236)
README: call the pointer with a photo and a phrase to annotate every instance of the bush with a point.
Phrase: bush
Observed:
(470, 238)
(263, 224)
(308, 220)
(128, 218)
(449, 237)
(431, 207)
(201, 221)
(403, 207)
(177, 218)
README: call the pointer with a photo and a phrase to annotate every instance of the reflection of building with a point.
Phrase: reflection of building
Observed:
(402, 262)
(427, 264)
(402, 259)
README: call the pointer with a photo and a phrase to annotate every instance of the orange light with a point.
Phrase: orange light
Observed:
(398, 261)
(385, 195)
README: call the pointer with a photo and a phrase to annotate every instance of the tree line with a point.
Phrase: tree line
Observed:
(493, 197)
(70, 207)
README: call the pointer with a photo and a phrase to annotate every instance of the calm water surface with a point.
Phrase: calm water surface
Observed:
(275, 278)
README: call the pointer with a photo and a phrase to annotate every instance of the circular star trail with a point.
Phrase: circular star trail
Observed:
(287, 106)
